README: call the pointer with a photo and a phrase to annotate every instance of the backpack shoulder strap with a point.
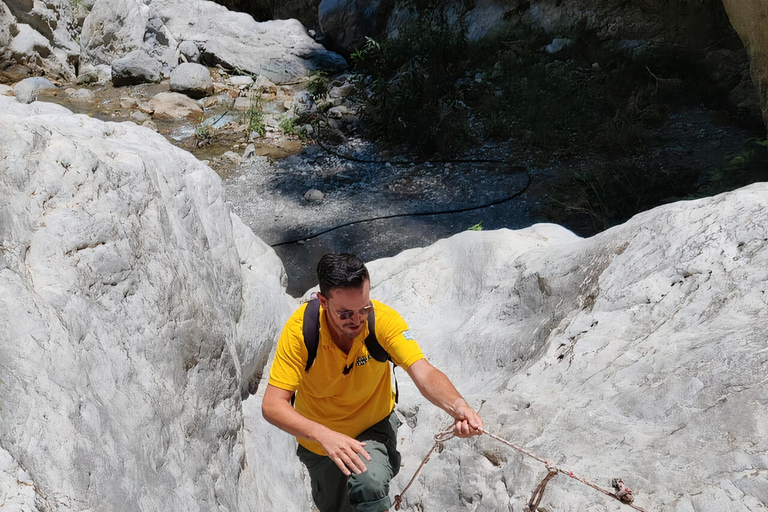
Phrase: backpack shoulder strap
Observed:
(311, 331)
(378, 352)
(372, 343)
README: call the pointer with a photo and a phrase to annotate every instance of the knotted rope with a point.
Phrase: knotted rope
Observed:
(623, 493)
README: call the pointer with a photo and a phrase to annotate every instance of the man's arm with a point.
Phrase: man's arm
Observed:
(343, 450)
(437, 388)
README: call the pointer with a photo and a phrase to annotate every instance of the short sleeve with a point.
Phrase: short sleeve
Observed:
(395, 337)
(291, 355)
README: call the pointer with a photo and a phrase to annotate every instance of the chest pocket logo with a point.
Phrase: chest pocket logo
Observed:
(362, 360)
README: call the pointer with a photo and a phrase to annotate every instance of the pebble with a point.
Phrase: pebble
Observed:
(313, 195)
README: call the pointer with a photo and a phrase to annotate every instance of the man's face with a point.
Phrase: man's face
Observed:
(343, 301)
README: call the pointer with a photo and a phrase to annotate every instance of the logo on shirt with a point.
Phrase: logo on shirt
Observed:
(362, 360)
(407, 335)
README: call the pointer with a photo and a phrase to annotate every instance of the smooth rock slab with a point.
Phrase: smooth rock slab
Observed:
(631, 354)
(173, 105)
(191, 79)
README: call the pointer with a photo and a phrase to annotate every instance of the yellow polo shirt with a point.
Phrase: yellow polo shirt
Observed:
(345, 403)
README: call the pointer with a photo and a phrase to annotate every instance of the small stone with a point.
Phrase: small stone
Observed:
(139, 116)
(240, 81)
(242, 103)
(337, 112)
(311, 33)
(231, 156)
(313, 195)
(342, 92)
(128, 103)
(146, 108)
(596, 65)
(190, 51)
(150, 124)
(250, 152)
(82, 95)
(558, 44)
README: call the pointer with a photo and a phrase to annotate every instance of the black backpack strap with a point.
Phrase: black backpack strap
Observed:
(311, 330)
(377, 351)
(372, 343)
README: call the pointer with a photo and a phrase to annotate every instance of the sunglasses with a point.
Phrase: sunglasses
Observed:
(346, 315)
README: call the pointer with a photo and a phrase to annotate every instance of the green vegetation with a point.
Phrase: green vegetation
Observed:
(749, 166)
(476, 227)
(205, 132)
(433, 90)
(255, 117)
(288, 125)
(318, 84)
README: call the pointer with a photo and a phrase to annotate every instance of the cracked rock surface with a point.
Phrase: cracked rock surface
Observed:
(638, 353)
(129, 314)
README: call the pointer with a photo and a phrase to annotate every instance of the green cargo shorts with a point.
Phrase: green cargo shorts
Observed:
(332, 491)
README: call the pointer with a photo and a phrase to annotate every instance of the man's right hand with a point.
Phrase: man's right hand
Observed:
(344, 450)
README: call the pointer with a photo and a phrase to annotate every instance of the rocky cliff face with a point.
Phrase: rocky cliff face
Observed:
(37, 38)
(750, 20)
(131, 305)
(638, 353)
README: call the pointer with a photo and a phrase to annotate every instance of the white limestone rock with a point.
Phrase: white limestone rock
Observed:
(35, 38)
(116, 28)
(131, 304)
(192, 79)
(173, 105)
(280, 50)
(636, 353)
(137, 67)
(190, 51)
(27, 90)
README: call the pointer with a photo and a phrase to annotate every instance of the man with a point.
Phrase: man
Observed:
(344, 419)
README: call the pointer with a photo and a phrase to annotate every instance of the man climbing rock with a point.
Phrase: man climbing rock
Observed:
(333, 354)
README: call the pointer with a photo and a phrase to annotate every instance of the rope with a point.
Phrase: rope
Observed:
(623, 493)
(412, 214)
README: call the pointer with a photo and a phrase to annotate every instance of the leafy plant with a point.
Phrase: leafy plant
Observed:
(318, 84)
(360, 55)
(748, 166)
(288, 125)
(476, 227)
(255, 117)
(205, 132)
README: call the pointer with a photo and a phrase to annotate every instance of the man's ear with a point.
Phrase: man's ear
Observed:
(323, 300)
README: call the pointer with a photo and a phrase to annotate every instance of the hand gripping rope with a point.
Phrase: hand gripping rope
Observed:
(622, 493)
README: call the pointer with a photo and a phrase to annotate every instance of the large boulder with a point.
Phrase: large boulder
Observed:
(346, 23)
(132, 302)
(633, 354)
(27, 90)
(36, 38)
(280, 50)
(116, 28)
(750, 19)
(135, 68)
(191, 79)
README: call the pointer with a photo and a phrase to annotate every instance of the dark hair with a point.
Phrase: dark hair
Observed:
(343, 270)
